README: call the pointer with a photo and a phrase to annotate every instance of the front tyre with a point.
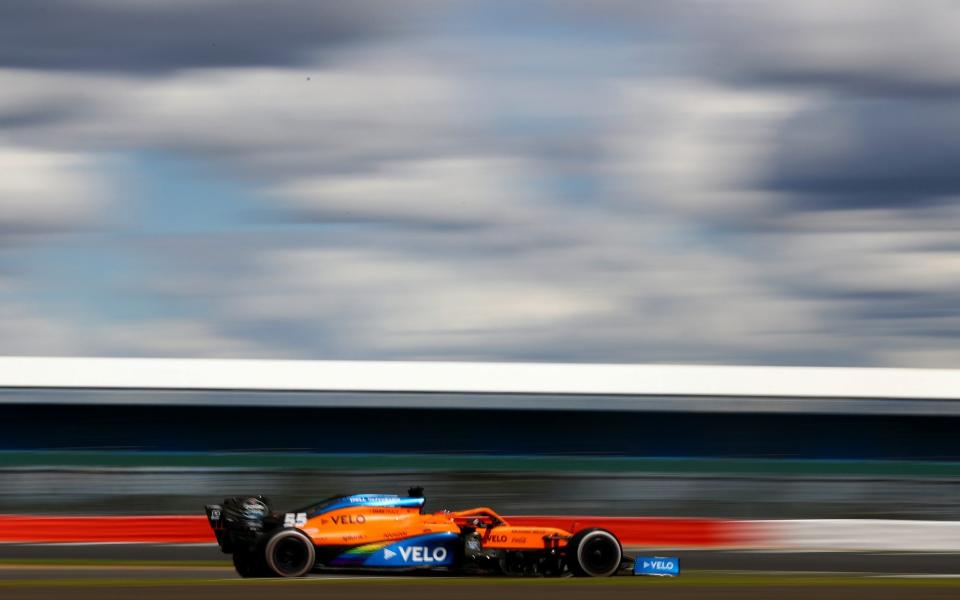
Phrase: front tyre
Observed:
(594, 553)
(289, 553)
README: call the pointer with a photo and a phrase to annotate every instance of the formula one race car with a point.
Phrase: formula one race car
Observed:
(389, 532)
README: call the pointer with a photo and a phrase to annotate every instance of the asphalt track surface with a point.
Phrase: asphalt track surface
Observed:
(185, 572)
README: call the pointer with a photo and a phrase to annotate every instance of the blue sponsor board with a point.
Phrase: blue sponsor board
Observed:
(656, 565)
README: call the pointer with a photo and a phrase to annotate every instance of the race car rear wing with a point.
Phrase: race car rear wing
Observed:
(215, 517)
(240, 520)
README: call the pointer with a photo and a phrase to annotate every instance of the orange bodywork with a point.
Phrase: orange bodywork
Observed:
(356, 525)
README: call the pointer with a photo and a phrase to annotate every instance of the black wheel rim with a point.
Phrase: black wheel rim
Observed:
(290, 555)
(599, 555)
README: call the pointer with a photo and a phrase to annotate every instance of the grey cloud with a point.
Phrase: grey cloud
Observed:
(45, 114)
(777, 56)
(852, 81)
(855, 47)
(49, 191)
(670, 256)
(900, 48)
(145, 37)
(870, 154)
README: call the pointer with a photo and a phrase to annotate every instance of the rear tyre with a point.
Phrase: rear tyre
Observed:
(594, 553)
(249, 564)
(290, 553)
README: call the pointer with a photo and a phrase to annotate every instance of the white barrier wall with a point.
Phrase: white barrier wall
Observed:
(490, 385)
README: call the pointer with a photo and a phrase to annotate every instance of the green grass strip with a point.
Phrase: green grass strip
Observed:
(691, 579)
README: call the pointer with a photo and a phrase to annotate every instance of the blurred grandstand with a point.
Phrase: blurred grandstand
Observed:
(163, 436)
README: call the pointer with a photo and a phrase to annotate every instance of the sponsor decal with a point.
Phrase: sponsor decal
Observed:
(418, 554)
(349, 520)
(496, 539)
(431, 550)
(397, 535)
(372, 499)
(385, 500)
(294, 519)
(656, 565)
(389, 502)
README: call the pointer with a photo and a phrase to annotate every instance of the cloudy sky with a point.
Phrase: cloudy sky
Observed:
(600, 181)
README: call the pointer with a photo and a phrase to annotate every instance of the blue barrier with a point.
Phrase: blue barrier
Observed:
(406, 431)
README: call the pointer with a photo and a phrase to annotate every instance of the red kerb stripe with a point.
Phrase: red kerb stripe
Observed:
(147, 529)
(185, 529)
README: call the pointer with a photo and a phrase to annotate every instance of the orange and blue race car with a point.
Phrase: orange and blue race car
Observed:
(380, 532)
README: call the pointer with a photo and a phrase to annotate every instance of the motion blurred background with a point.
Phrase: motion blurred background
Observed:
(748, 183)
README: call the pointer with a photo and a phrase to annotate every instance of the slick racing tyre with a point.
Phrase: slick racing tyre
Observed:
(594, 553)
(289, 553)
(249, 564)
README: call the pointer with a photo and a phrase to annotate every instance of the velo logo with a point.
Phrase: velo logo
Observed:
(656, 565)
(418, 554)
